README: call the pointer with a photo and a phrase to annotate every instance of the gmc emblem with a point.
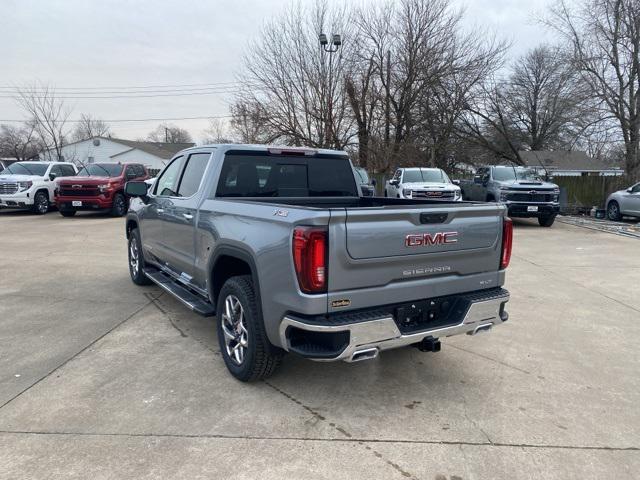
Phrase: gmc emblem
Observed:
(440, 238)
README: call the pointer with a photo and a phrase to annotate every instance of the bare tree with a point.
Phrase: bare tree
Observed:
(20, 142)
(250, 123)
(166, 133)
(89, 127)
(543, 104)
(216, 132)
(295, 82)
(48, 114)
(603, 37)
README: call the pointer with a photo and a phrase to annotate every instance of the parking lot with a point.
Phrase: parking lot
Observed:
(100, 378)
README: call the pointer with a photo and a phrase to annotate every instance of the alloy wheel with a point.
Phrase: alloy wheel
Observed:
(236, 336)
(134, 257)
(43, 204)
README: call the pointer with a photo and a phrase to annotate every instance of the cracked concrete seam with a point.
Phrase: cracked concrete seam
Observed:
(320, 439)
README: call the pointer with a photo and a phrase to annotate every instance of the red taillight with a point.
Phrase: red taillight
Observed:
(310, 258)
(507, 243)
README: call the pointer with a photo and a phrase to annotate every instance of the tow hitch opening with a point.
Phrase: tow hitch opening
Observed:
(429, 344)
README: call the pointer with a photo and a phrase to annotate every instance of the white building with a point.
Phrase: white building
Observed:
(153, 155)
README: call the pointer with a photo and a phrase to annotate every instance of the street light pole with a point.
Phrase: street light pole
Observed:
(336, 41)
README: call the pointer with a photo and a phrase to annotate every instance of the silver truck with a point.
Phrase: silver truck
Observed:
(523, 192)
(278, 243)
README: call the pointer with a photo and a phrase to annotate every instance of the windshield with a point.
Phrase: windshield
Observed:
(22, 168)
(363, 176)
(514, 173)
(101, 170)
(424, 175)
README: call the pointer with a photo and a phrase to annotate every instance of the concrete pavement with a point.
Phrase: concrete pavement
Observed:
(100, 378)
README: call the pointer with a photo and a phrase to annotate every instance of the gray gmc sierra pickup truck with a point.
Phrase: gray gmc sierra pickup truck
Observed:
(280, 245)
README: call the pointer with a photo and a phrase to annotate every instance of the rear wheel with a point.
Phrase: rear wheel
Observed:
(613, 211)
(41, 203)
(136, 259)
(245, 348)
(546, 221)
(119, 207)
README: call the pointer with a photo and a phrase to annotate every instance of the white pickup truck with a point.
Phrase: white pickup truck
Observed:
(32, 185)
(431, 183)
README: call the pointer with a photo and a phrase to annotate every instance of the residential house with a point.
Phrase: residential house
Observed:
(154, 155)
(565, 163)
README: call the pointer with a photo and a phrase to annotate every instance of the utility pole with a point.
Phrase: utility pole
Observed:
(387, 102)
(166, 135)
(336, 41)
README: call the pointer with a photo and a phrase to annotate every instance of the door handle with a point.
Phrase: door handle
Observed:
(188, 216)
(160, 210)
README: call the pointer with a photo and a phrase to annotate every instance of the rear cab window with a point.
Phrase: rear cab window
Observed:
(261, 174)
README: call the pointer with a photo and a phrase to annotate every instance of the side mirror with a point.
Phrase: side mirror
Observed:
(52, 176)
(629, 190)
(456, 182)
(394, 182)
(136, 189)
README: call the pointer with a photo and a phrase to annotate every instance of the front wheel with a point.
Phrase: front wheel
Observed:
(119, 207)
(546, 221)
(136, 259)
(41, 203)
(613, 211)
(243, 341)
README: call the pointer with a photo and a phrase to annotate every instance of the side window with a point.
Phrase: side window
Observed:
(166, 184)
(56, 170)
(636, 188)
(67, 171)
(130, 172)
(193, 174)
(397, 175)
(140, 171)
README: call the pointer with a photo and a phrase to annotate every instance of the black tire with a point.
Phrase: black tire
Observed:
(40, 203)
(547, 220)
(613, 211)
(119, 206)
(259, 358)
(67, 212)
(137, 264)
(385, 193)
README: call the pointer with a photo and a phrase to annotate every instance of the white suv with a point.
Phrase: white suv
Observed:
(32, 185)
(432, 183)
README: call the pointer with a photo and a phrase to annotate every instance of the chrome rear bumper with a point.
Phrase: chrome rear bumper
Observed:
(367, 338)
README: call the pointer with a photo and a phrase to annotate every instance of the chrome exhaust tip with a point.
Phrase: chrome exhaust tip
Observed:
(365, 354)
(481, 328)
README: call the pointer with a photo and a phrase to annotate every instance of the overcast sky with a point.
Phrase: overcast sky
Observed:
(122, 43)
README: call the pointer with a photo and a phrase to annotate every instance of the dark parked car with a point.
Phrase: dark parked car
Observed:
(367, 185)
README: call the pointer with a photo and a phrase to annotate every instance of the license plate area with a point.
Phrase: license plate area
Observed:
(532, 208)
(76, 203)
(426, 314)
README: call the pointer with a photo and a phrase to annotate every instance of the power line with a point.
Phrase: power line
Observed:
(119, 92)
(123, 120)
(131, 96)
(132, 87)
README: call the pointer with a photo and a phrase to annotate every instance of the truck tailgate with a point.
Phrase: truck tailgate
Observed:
(441, 245)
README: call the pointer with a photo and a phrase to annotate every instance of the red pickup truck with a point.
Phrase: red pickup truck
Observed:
(98, 186)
